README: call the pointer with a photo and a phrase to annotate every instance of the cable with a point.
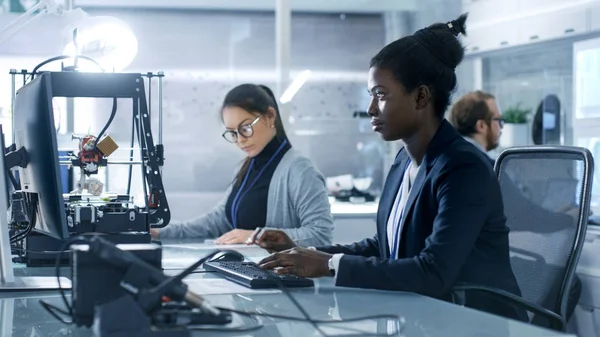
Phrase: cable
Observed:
(77, 57)
(13, 180)
(113, 112)
(30, 207)
(257, 325)
(332, 322)
(53, 310)
(69, 309)
(58, 58)
(315, 323)
(131, 153)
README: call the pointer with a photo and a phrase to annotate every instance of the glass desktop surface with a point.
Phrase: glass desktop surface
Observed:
(22, 315)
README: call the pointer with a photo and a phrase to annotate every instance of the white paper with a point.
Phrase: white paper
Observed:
(549, 120)
(206, 286)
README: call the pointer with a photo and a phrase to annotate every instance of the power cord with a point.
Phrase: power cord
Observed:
(55, 311)
(76, 58)
(30, 207)
(285, 290)
(69, 308)
(324, 322)
(62, 57)
(315, 323)
(113, 112)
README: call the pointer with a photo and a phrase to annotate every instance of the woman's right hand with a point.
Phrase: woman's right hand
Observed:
(271, 240)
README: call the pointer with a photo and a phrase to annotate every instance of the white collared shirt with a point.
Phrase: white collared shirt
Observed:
(395, 217)
(474, 142)
(477, 145)
(394, 223)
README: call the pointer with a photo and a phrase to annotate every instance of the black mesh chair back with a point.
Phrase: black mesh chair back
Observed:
(546, 192)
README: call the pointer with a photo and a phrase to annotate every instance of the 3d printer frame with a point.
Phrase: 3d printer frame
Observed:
(73, 84)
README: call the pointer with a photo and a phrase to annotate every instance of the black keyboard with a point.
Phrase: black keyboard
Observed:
(250, 275)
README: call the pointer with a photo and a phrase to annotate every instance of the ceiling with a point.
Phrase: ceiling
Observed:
(325, 6)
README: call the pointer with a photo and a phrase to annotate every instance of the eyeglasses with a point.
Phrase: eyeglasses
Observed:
(245, 130)
(500, 121)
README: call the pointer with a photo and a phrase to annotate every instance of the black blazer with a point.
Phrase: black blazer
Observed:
(454, 230)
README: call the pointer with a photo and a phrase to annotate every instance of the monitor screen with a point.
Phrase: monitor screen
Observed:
(34, 130)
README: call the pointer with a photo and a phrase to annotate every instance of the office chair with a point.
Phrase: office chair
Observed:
(544, 249)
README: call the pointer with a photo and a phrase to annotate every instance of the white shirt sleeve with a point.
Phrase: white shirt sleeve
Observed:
(335, 261)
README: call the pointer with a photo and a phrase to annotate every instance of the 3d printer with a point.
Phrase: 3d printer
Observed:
(87, 208)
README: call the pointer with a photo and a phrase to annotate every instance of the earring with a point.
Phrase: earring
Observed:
(272, 126)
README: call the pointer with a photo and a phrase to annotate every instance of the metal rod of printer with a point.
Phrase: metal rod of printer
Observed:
(160, 106)
(150, 96)
(115, 162)
(13, 93)
(65, 149)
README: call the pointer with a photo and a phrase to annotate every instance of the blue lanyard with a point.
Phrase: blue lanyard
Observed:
(396, 238)
(238, 199)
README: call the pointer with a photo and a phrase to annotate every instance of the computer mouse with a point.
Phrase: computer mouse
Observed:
(227, 256)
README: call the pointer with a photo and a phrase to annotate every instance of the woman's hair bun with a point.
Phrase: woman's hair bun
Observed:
(459, 25)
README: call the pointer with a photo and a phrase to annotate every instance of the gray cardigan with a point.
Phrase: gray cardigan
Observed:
(297, 204)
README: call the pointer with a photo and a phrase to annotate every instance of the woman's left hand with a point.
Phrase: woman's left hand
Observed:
(234, 237)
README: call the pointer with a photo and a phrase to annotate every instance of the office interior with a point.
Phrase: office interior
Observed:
(315, 57)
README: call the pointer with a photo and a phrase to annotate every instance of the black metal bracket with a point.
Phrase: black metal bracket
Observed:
(16, 158)
(160, 150)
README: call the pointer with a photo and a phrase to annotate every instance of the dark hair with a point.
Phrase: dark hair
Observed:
(428, 57)
(469, 109)
(256, 99)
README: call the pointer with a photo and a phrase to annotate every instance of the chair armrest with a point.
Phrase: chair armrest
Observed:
(511, 299)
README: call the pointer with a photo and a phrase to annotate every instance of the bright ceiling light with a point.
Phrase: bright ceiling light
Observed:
(296, 84)
(105, 39)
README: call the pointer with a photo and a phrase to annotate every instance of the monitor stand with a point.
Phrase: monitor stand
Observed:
(8, 280)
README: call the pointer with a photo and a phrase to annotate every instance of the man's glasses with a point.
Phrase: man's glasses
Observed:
(245, 130)
(500, 121)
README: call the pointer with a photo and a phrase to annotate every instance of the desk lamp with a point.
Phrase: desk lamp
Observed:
(105, 39)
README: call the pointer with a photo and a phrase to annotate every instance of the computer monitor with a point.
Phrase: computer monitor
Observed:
(8, 280)
(34, 130)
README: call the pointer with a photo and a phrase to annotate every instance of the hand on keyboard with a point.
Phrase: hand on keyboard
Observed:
(249, 274)
(299, 261)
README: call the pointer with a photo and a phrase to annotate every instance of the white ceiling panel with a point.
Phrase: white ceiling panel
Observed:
(332, 6)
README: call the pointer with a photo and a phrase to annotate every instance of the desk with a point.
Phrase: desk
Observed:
(353, 221)
(21, 314)
(345, 210)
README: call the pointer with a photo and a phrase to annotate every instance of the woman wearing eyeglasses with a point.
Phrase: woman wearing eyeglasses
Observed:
(276, 187)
